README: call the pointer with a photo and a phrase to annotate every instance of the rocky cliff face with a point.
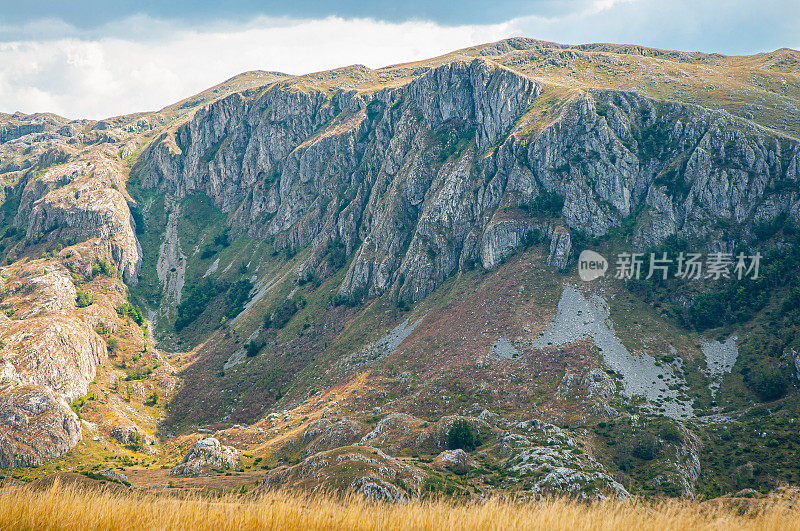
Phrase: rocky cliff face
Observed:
(35, 424)
(453, 167)
(48, 357)
(69, 241)
(82, 200)
(69, 229)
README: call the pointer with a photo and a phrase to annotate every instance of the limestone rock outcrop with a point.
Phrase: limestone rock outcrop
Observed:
(205, 456)
(66, 220)
(35, 424)
(456, 460)
(467, 162)
(361, 469)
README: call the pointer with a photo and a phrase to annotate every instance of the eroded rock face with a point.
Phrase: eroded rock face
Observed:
(56, 351)
(128, 435)
(82, 200)
(48, 358)
(547, 452)
(36, 288)
(69, 181)
(50, 350)
(430, 177)
(367, 471)
(206, 455)
(35, 424)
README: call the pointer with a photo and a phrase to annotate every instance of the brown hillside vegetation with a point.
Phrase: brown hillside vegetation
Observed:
(70, 507)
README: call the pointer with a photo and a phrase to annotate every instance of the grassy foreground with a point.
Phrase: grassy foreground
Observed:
(68, 507)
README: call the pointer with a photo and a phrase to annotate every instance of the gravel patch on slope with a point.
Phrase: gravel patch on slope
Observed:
(504, 349)
(384, 346)
(578, 318)
(391, 341)
(240, 355)
(720, 359)
(261, 288)
(171, 265)
(212, 268)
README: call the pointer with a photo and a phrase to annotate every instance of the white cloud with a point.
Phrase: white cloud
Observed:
(141, 63)
(598, 6)
(108, 76)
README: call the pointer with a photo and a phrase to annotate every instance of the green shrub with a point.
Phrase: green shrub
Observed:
(82, 300)
(112, 345)
(670, 432)
(549, 203)
(645, 446)
(238, 296)
(708, 311)
(739, 300)
(103, 267)
(307, 277)
(107, 269)
(153, 399)
(131, 310)
(223, 239)
(768, 384)
(337, 254)
(531, 238)
(196, 302)
(461, 435)
(284, 313)
(207, 252)
(136, 441)
(138, 219)
(139, 374)
(253, 348)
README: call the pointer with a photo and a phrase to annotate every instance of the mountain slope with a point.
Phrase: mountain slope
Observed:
(366, 255)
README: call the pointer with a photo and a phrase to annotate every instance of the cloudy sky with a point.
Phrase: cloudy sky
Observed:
(95, 58)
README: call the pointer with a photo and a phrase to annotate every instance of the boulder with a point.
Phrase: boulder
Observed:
(113, 475)
(457, 461)
(206, 456)
(128, 435)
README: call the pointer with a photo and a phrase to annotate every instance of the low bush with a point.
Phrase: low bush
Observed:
(284, 313)
(768, 384)
(82, 300)
(253, 348)
(462, 436)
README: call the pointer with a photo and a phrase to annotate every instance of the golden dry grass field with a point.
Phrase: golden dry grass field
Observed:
(60, 506)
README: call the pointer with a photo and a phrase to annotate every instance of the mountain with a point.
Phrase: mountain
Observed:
(350, 277)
